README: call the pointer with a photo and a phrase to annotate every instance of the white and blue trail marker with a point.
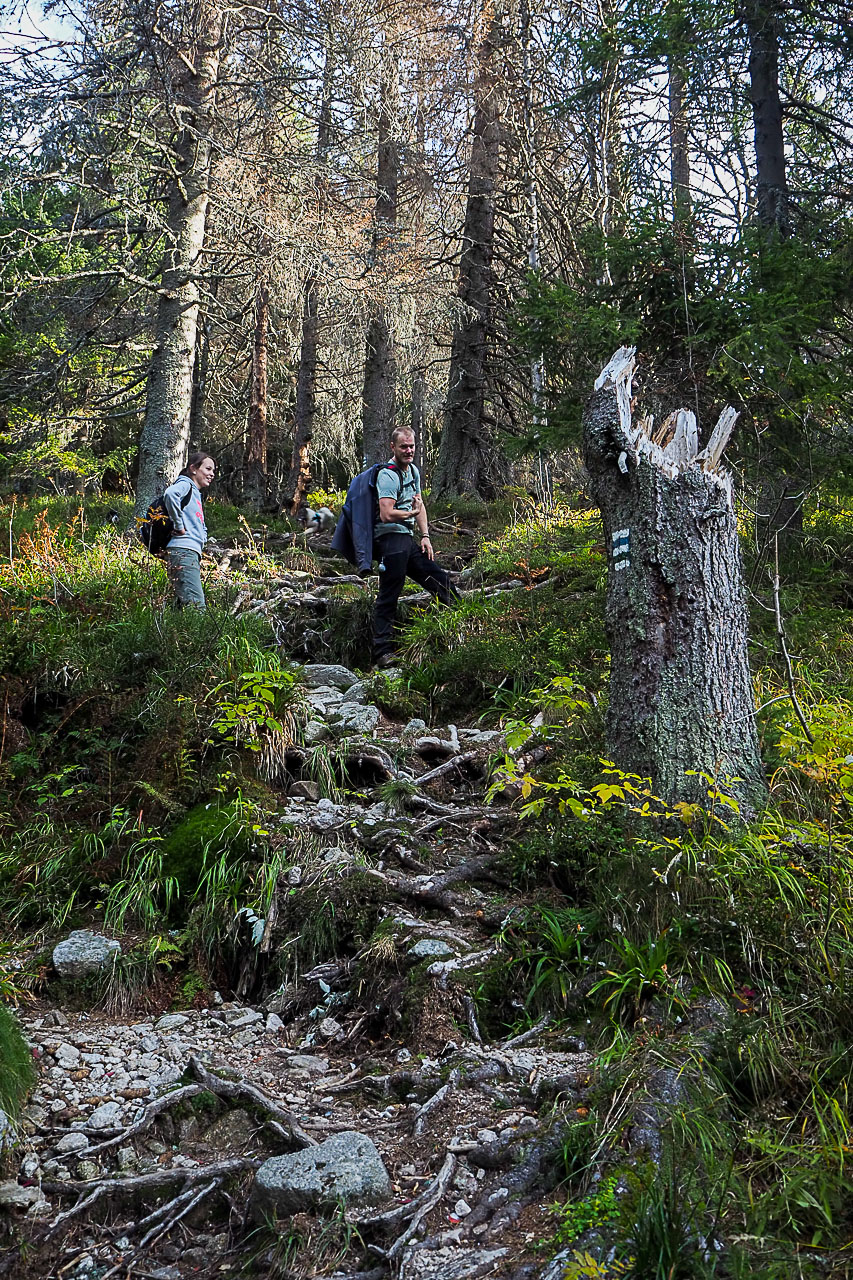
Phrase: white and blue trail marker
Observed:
(621, 549)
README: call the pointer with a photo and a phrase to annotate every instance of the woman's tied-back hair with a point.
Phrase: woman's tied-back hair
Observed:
(195, 460)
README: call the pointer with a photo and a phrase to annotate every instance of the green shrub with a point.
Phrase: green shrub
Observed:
(458, 657)
(17, 1073)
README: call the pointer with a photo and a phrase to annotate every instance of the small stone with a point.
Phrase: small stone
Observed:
(30, 1166)
(294, 876)
(73, 1141)
(403, 1055)
(356, 692)
(239, 1019)
(67, 1055)
(87, 1171)
(233, 1131)
(357, 719)
(106, 1116)
(171, 1022)
(195, 1258)
(308, 1063)
(245, 1038)
(330, 1029)
(273, 1024)
(126, 1158)
(462, 1208)
(305, 789)
(84, 952)
(413, 730)
(14, 1196)
(323, 819)
(149, 1044)
(315, 731)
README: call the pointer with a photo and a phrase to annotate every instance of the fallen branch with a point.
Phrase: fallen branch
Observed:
(84, 1203)
(527, 1035)
(448, 767)
(403, 1211)
(457, 815)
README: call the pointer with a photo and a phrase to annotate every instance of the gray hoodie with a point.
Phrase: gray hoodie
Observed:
(190, 520)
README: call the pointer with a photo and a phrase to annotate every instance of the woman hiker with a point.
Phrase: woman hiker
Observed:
(183, 552)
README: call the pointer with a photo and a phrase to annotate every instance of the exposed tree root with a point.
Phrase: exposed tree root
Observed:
(282, 1121)
(154, 1109)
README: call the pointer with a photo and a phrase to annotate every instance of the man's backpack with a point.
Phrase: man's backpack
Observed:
(354, 533)
(156, 529)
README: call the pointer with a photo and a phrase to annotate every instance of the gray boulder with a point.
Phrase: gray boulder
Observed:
(345, 1168)
(354, 718)
(325, 700)
(315, 731)
(83, 953)
(13, 1196)
(7, 1131)
(356, 692)
(318, 674)
(431, 949)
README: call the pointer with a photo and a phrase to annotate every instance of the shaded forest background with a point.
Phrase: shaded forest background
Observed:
(277, 231)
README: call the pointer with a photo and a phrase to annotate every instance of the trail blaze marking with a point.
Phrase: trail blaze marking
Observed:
(621, 549)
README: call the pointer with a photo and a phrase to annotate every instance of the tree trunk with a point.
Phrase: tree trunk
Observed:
(201, 372)
(681, 695)
(256, 443)
(299, 480)
(467, 461)
(380, 367)
(771, 183)
(780, 509)
(417, 420)
(543, 475)
(305, 409)
(165, 432)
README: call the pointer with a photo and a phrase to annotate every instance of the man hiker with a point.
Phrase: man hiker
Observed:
(402, 543)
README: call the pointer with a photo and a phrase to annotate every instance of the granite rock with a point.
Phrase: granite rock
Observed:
(83, 953)
(345, 1168)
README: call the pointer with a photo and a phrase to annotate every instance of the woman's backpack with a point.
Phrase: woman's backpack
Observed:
(156, 529)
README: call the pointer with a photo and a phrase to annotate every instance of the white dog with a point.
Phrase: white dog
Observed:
(322, 521)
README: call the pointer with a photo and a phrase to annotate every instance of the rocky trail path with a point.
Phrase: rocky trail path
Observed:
(358, 1103)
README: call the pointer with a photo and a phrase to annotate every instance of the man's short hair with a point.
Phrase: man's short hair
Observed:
(401, 431)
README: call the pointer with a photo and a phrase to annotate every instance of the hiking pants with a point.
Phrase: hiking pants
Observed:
(185, 576)
(402, 557)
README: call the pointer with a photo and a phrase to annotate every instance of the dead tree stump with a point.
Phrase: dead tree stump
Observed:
(681, 698)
